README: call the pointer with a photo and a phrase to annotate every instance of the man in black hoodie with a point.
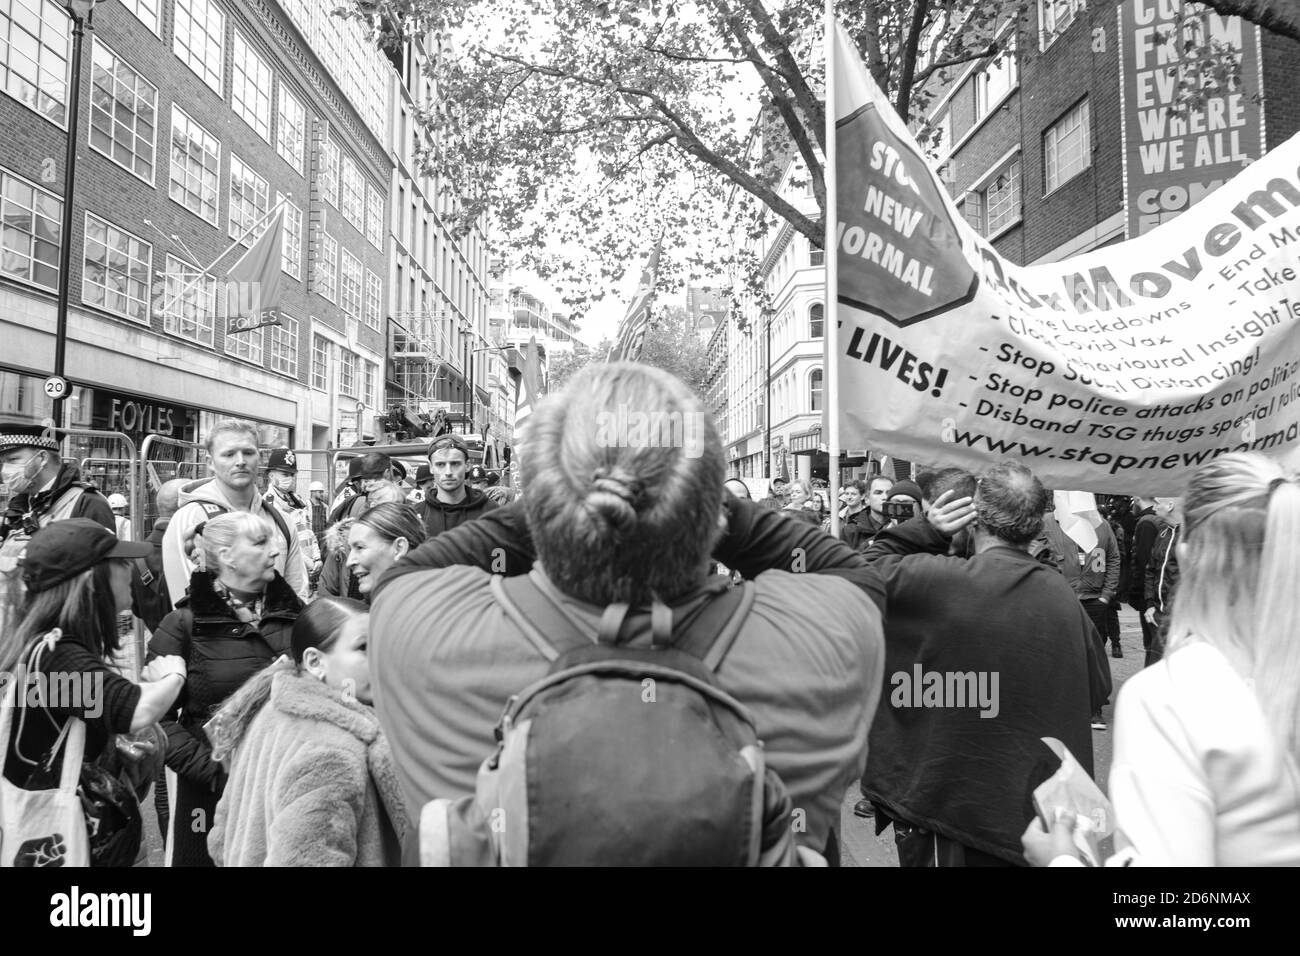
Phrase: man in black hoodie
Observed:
(453, 502)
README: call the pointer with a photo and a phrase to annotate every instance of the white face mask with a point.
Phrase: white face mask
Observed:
(283, 482)
(17, 477)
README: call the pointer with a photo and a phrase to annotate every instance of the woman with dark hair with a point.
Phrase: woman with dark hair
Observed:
(362, 549)
(311, 778)
(78, 578)
(235, 620)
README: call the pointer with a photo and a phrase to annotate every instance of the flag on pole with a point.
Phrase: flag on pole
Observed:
(632, 330)
(529, 389)
(253, 293)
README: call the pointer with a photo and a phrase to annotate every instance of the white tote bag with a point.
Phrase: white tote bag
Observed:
(43, 827)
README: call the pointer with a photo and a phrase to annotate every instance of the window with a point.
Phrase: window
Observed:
(995, 205)
(347, 373)
(995, 81)
(350, 299)
(291, 131)
(117, 271)
(816, 257)
(816, 320)
(245, 345)
(190, 304)
(1054, 17)
(146, 11)
(368, 387)
(123, 113)
(282, 343)
(249, 199)
(320, 362)
(196, 164)
(353, 200)
(34, 54)
(327, 173)
(250, 88)
(32, 221)
(940, 139)
(292, 249)
(200, 38)
(1066, 149)
(815, 390)
(374, 217)
(327, 268)
(374, 294)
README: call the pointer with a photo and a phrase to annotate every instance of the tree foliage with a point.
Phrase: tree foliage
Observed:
(600, 126)
(670, 344)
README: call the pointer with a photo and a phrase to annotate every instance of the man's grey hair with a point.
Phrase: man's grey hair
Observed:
(1010, 502)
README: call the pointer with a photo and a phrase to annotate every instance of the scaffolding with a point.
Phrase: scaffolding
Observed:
(423, 357)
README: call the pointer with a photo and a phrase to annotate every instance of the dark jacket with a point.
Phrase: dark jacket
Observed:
(859, 530)
(1093, 574)
(221, 653)
(1144, 537)
(150, 601)
(90, 505)
(439, 517)
(1161, 577)
(939, 764)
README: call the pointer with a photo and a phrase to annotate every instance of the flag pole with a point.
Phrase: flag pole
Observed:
(205, 273)
(831, 258)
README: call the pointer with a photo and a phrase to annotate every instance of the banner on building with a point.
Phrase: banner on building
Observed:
(1175, 156)
(1119, 370)
(253, 290)
(636, 321)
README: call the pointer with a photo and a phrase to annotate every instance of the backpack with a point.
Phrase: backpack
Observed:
(211, 509)
(620, 755)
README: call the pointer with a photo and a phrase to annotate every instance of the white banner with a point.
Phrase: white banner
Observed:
(1119, 370)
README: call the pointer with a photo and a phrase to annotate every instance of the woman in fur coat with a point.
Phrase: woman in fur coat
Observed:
(311, 780)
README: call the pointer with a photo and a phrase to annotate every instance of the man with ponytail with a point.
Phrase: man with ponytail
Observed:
(616, 517)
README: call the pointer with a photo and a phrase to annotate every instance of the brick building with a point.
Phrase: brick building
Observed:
(1033, 145)
(196, 118)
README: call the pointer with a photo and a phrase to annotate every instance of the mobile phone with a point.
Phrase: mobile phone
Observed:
(898, 510)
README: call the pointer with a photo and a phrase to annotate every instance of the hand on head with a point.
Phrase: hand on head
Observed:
(950, 514)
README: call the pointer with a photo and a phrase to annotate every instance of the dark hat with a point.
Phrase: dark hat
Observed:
(283, 459)
(63, 549)
(905, 487)
(27, 435)
(493, 477)
(477, 473)
(399, 470)
(422, 474)
(372, 464)
(449, 441)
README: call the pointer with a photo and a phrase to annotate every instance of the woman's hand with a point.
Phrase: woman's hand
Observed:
(1042, 846)
(160, 667)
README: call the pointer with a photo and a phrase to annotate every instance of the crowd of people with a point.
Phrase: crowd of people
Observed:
(406, 671)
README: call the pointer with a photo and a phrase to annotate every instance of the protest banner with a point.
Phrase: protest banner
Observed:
(1119, 370)
(1174, 157)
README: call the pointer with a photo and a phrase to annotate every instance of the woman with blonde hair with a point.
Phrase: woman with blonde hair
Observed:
(1206, 769)
(236, 619)
(798, 493)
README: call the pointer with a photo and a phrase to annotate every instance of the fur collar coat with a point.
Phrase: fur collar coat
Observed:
(311, 778)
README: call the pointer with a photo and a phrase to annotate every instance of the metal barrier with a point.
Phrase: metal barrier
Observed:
(107, 460)
(163, 459)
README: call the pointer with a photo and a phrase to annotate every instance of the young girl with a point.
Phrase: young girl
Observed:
(311, 779)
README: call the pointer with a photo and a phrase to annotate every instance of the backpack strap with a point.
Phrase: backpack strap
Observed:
(710, 635)
(211, 509)
(538, 616)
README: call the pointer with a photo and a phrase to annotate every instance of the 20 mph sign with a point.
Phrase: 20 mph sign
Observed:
(56, 386)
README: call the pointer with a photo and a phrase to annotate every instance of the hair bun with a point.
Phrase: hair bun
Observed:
(615, 496)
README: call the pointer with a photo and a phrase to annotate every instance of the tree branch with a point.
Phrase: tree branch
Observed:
(687, 58)
(808, 104)
(908, 69)
(1273, 15)
(919, 80)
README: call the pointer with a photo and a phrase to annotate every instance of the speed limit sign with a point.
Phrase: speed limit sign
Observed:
(56, 386)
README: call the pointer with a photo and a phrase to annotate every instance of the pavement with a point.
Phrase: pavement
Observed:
(859, 845)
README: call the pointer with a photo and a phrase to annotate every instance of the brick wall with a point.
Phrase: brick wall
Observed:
(113, 193)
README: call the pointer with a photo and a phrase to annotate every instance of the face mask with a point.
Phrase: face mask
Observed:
(283, 482)
(18, 478)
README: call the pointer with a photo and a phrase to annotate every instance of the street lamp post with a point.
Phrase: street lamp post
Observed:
(767, 401)
(79, 11)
